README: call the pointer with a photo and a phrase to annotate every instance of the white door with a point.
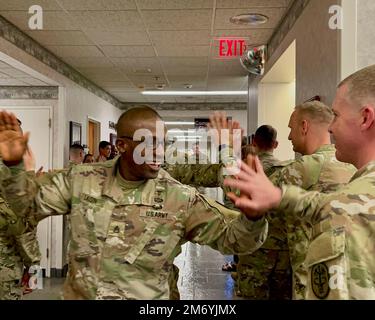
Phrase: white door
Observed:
(37, 121)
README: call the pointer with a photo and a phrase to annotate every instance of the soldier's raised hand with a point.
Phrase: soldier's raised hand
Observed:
(258, 194)
(13, 143)
(219, 122)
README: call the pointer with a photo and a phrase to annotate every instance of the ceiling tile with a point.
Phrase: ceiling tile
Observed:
(52, 20)
(250, 3)
(171, 62)
(83, 62)
(24, 5)
(146, 80)
(175, 4)
(98, 5)
(180, 38)
(105, 77)
(185, 79)
(218, 83)
(117, 85)
(116, 38)
(226, 68)
(123, 21)
(140, 65)
(253, 36)
(76, 51)
(182, 51)
(62, 38)
(128, 51)
(223, 15)
(178, 19)
(188, 71)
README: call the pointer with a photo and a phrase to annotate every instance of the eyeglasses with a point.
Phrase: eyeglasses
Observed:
(153, 143)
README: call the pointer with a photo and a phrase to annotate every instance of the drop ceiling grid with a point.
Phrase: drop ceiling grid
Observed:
(174, 38)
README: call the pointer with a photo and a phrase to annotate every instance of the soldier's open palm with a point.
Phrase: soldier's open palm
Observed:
(13, 142)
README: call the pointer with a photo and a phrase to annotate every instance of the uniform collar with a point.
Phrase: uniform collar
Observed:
(368, 168)
(142, 195)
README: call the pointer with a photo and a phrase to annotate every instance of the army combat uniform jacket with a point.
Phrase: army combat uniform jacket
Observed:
(340, 257)
(322, 172)
(123, 244)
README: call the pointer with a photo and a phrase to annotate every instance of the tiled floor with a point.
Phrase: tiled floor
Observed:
(200, 278)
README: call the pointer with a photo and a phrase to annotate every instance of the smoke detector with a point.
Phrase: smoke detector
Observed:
(252, 19)
(188, 86)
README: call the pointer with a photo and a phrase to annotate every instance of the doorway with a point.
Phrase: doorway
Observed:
(93, 134)
(37, 121)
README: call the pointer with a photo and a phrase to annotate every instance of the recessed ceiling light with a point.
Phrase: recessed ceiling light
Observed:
(253, 19)
(194, 93)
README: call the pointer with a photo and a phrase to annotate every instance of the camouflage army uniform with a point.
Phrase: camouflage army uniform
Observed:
(264, 274)
(124, 242)
(322, 172)
(340, 258)
(12, 229)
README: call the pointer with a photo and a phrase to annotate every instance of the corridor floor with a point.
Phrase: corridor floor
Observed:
(200, 278)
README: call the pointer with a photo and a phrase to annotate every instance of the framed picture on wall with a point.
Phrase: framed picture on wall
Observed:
(112, 139)
(75, 130)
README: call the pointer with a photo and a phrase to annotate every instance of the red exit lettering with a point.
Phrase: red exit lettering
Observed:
(231, 47)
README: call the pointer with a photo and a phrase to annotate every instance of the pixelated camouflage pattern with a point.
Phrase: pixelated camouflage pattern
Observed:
(11, 266)
(10, 290)
(123, 245)
(322, 172)
(265, 274)
(340, 257)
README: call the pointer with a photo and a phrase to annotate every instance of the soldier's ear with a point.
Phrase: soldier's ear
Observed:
(121, 145)
(305, 126)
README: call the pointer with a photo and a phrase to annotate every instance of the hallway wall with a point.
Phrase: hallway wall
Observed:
(317, 52)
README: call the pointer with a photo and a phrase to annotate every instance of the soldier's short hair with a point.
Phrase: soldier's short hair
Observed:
(75, 148)
(315, 111)
(265, 136)
(103, 144)
(361, 86)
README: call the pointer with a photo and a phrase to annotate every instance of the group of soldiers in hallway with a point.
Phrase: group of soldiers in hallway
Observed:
(305, 232)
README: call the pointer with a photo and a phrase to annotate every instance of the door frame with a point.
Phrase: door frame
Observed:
(50, 166)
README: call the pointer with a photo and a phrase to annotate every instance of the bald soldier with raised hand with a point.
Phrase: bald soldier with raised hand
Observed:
(340, 256)
(128, 220)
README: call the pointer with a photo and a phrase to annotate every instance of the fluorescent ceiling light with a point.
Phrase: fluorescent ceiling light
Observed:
(182, 123)
(194, 93)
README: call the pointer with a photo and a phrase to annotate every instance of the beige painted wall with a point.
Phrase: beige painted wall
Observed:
(365, 33)
(276, 104)
(317, 52)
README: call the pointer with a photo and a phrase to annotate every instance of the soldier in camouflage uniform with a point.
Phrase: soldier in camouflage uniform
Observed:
(128, 220)
(264, 274)
(339, 258)
(318, 170)
(12, 241)
(16, 251)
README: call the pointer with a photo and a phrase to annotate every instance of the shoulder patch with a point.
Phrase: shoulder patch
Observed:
(320, 280)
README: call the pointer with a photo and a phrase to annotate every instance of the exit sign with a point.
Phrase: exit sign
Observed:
(231, 47)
